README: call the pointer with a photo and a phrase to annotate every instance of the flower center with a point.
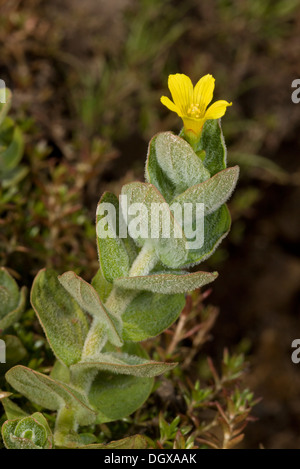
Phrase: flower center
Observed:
(194, 111)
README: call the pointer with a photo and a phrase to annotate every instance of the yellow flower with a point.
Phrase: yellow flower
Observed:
(191, 103)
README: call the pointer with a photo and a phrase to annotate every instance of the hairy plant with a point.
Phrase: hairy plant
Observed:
(102, 373)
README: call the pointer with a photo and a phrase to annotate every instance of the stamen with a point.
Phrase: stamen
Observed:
(194, 111)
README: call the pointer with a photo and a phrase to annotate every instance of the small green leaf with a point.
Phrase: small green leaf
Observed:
(178, 162)
(49, 393)
(13, 316)
(149, 314)
(157, 224)
(62, 319)
(155, 175)
(116, 396)
(12, 300)
(212, 193)
(60, 372)
(12, 410)
(15, 351)
(122, 363)
(88, 299)
(31, 432)
(113, 257)
(11, 156)
(102, 286)
(167, 283)
(212, 142)
(216, 228)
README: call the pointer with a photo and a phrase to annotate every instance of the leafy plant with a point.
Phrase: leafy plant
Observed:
(102, 374)
(30, 432)
(12, 300)
(11, 148)
(12, 306)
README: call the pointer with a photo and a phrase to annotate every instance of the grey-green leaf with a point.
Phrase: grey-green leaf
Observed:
(156, 176)
(178, 161)
(113, 257)
(12, 301)
(116, 396)
(12, 410)
(216, 228)
(62, 319)
(212, 193)
(30, 432)
(102, 286)
(49, 393)
(149, 314)
(88, 299)
(213, 143)
(167, 283)
(122, 363)
(158, 225)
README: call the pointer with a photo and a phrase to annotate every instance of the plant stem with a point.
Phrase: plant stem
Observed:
(118, 299)
(117, 303)
(95, 340)
(65, 424)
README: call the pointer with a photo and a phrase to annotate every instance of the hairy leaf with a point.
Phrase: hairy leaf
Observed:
(62, 319)
(212, 193)
(49, 393)
(216, 227)
(156, 176)
(177, 160)
(12, 410)
(102, 286)
(122, 363)
(168, 283)
(212, 142)
(149, 314)
(116, 396)
(158, 225)
(32, 432)
(113, 257)
(88, 299)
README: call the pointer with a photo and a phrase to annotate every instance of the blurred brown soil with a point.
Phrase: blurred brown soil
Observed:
(258, 288)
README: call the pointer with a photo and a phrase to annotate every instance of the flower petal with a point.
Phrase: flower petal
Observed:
(217, 110)
(181, 89)
(193, 125)
(170, 105)
(203, 92)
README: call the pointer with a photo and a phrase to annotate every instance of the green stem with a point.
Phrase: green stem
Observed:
(117, 303)
(95, 340)
(144, 262)
(64, 426)
(118, 299)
